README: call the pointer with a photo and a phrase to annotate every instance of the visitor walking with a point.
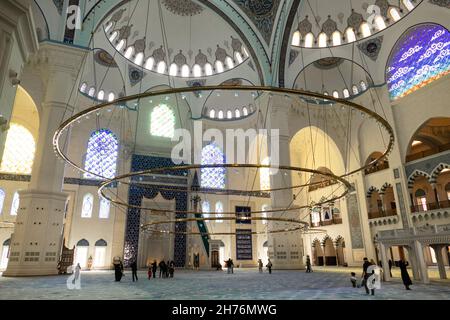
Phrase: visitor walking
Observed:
(404, 272)
(118, 269)
(366, 275)
(269, 266)
(154, 268)
(229, 264)
(260, 266)
(171, 269)
(390, 267)
(149, 272)
(134, 270)
(308, 264)
(161, 268)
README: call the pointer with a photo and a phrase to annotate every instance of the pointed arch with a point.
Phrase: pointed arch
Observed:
(101, 155)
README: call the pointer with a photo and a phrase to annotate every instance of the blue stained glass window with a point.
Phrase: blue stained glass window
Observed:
(101, 155)
(421, 56)
(213, 178)
(2, 199)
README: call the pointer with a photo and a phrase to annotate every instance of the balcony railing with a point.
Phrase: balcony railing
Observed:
(427, 153)
(322, 184)
(431, 206)
(327, 222)
(377, 167)
(382, 213)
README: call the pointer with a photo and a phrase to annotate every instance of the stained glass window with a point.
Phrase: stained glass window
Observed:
(101, 155)
(20, 147)
(162, 122)
(213, 178)
(219, 211)
(205, 208)
(421, 56)
(87, 206)
(264, 175)
(104, 209)
(2, 199)
(15, 204)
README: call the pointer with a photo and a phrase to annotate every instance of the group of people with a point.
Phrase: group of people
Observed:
(166, 269)
(268, 266)
(368, 272)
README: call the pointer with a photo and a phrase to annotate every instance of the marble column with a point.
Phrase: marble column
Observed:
(420, 258)
(413, 263)
(286, 248)
(38, 234)
(440, 260)
(384, 261)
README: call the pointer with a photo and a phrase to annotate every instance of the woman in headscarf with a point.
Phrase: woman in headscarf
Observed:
(404, 272)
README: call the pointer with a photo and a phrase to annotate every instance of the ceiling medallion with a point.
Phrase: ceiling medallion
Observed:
(183, 7)
(328, 63)
(104, 58)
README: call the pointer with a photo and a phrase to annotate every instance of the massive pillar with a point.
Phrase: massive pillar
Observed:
(17, 42)
(37, 239)
(440, 260)
(420, 259)
(384, 261)
(285, 249)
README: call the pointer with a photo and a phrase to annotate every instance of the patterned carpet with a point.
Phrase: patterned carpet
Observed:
(205, 285)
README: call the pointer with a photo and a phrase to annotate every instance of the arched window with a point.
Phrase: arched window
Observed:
(101, 155)
(120, 45)
(91, 92)
(139, 59)
(206, 209)
(229, 114)
(264, 175)
(83, 87)
(237, 113)
(350, 34)
(229, 62)
(363, 86)
(150, 63)
(219, 66)
(87, 206)
(113, 36)
(129, 52)
(420, 57)
(379, 22)
(408, 4)
(245, 111)
(105, 207)
(213, 178)
(173, 70)
(355, 89)
(309, 40)
(185, 71)
(197, 71)
(20, 147)
(15, 204)
(212, 113)
(161, 67)
(394, 14)
(2, 199)
(337, 38)
(162, 122)
(111, 97)
(238, 57)
(322, 40)
(220, 116)
(101, 95)
(296, 38)
(365, 29)
(346, 93)
(219, 211)
(421, 198)
(208, 69)
(336, 94)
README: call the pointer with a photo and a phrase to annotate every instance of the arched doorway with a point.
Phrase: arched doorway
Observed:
(329, 252)
(81, 253)
(340, 255)
(317, 253)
